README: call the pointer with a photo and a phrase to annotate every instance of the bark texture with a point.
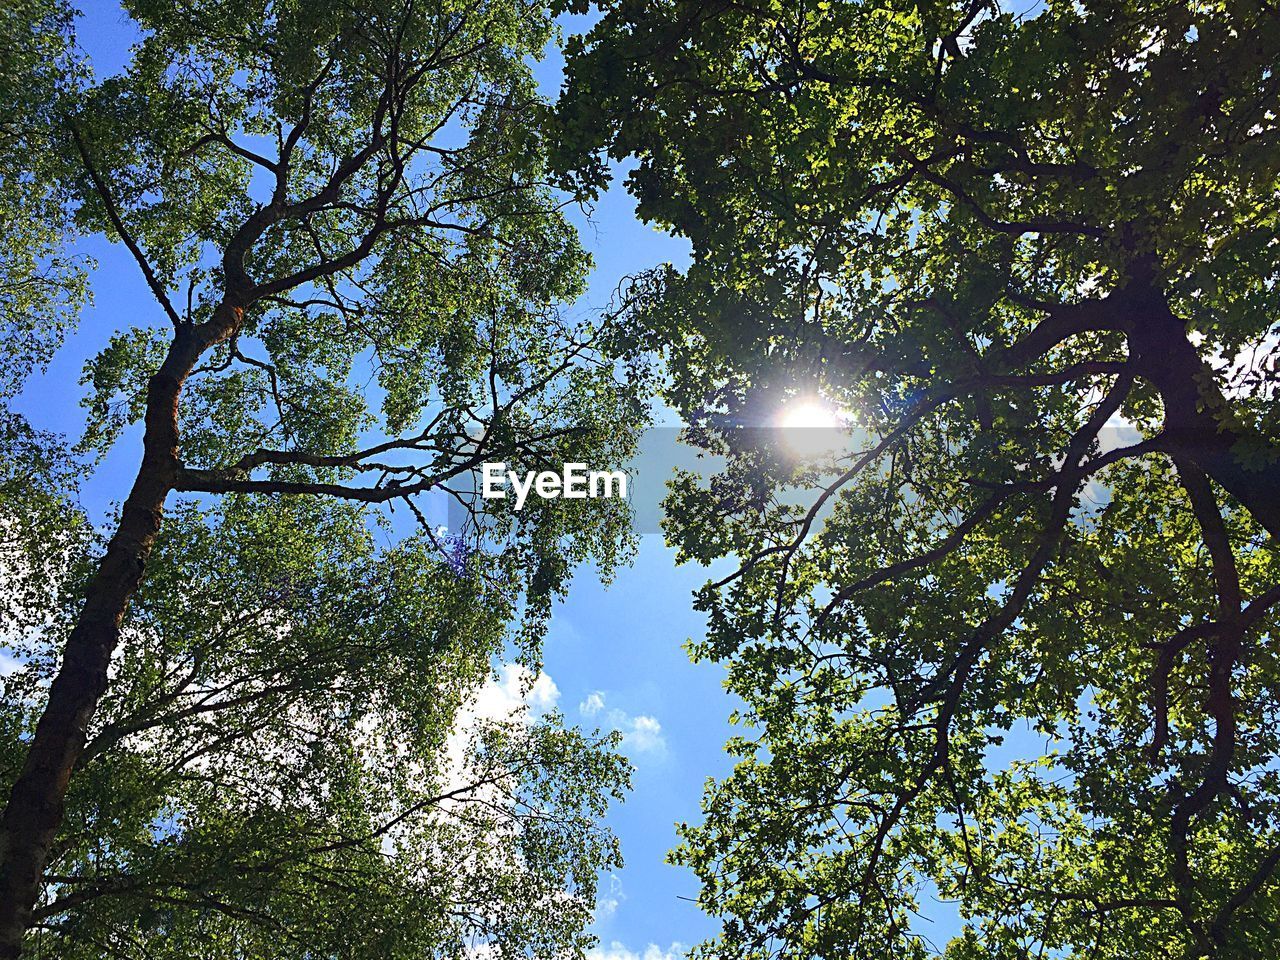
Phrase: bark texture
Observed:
(34, 810)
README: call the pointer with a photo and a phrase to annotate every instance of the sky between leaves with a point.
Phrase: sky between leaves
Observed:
(613, 658)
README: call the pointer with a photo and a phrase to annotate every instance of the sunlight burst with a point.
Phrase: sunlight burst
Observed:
(809, 413)
(812, 427)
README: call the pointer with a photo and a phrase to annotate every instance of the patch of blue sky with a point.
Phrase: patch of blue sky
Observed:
(621, 646)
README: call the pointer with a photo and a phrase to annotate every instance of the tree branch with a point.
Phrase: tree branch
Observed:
(113, 214)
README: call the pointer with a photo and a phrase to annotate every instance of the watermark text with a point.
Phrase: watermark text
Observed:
(575, 482)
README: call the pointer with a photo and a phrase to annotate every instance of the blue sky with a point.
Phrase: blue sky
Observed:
(614, 655)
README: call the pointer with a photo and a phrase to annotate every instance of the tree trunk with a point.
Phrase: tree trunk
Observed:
(1198, 422)
(34, 811)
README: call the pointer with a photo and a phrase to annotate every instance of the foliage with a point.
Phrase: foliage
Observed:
(284, 764)
(1011, 648)
(362, 274)
(41, 286)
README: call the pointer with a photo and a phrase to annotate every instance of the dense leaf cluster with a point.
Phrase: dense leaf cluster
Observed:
(1011, 651)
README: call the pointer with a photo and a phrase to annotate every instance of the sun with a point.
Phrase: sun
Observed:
(811, 427)
(808, 413)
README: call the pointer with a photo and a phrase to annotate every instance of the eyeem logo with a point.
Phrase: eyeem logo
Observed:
(576, 482)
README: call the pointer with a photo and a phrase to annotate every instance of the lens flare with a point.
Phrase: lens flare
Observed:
(811, 427)
(808, 414)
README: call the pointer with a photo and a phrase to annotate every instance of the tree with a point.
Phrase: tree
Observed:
(284, 765)
(233, 718)
(1030, 254)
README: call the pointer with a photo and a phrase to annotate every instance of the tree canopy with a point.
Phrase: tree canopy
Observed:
(41, 286)
(237, 715)
(1011, 651)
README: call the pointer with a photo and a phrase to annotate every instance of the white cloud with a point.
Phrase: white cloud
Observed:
(9, 664)
(606, 907)
(645, 735)
(607, 903)
(515, 692)
(641, 734)
(619, 951)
